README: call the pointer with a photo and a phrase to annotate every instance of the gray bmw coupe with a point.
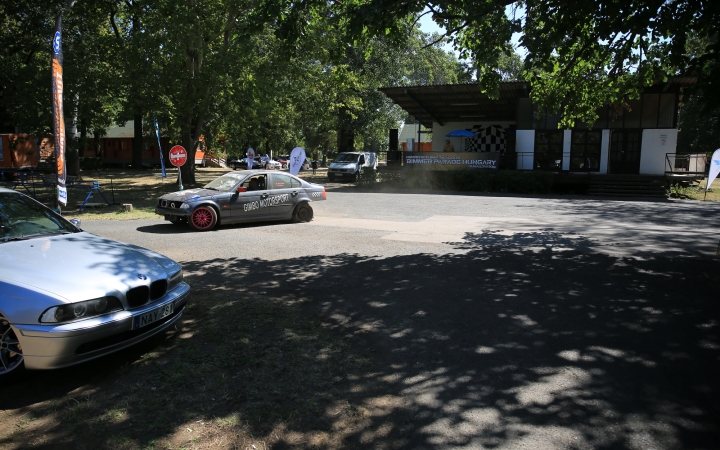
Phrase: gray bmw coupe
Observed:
(242, 196)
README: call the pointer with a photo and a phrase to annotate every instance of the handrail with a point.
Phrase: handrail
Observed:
(687, 164)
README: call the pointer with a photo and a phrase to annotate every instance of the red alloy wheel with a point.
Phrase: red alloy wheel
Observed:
(203, 218)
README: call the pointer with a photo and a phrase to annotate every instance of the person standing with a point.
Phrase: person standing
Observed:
(448, 147)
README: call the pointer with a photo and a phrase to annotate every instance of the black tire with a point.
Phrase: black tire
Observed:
(12, 363)
(303, 213)
(203, 218)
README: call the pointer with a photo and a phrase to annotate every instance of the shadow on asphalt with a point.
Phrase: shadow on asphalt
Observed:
(496, 347)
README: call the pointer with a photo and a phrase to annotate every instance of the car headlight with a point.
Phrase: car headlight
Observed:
(81, 310)
(184, 206)
(174, 279)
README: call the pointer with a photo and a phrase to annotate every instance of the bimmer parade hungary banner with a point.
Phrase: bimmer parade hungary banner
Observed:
(451, 160)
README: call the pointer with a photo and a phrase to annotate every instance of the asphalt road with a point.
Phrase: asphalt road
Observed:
(491, 321)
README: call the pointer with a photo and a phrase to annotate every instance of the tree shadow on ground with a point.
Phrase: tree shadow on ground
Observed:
(498, 347)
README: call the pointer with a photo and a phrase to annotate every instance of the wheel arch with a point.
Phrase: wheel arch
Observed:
(211, 204)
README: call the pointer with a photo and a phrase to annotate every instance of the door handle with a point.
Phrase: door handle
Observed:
(264, 196)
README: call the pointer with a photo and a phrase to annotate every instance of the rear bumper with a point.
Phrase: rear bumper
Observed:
(56, 346)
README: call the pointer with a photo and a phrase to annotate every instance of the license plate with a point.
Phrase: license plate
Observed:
(153, 316)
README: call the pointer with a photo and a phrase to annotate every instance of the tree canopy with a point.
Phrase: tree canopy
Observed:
(273, 74)
(579, 54)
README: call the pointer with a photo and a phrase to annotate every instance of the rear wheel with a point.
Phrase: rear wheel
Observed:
(204, 218)
(12, 363)
(303, 213)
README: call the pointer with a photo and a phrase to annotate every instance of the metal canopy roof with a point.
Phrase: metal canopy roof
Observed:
(457, 102)
(465, 103)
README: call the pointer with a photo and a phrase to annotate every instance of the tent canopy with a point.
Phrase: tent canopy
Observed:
(460, 133)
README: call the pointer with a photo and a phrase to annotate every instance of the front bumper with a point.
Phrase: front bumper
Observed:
(341, 174)
(56, 346)
(172, 213)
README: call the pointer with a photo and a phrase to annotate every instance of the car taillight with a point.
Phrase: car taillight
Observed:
(324, 195)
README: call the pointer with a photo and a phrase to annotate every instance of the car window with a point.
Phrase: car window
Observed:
(224, 183)
(255, 183)
(347, 157)
(21, 216)
(282, 181)
(296, 183)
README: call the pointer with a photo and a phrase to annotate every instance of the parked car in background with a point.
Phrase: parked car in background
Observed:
(349, 165)
(67, 296)
(242, 163)
(271, 164)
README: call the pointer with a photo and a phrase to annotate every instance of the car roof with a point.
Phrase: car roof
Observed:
(2, 189)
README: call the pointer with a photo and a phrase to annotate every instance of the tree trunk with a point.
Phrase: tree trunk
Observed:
(137, 141)
(83, 138)
(72, 160)
(188, 169)
(346, 134)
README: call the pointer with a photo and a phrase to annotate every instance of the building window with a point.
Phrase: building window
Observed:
(585, 151)
(548, 150)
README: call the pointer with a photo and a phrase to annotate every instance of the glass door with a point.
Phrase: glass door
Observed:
(625, 151)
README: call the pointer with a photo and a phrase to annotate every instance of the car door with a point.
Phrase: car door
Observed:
(284, 190)
(252, 204)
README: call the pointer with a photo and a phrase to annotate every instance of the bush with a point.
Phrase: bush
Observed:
(88, 163)
(367, 177)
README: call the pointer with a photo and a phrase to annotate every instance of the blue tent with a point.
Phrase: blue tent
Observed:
(460, 133)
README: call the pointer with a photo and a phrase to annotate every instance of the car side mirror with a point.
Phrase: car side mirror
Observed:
(75, 222)
(242, 189)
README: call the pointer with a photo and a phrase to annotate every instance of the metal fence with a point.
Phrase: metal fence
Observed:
(687, 164)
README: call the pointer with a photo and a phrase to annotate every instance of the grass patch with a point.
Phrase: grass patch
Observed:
(241, 366)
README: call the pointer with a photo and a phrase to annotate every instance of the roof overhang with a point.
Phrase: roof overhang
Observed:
(457, 102)
(465, 103)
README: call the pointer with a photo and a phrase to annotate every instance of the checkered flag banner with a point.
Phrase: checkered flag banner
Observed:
(488, 139)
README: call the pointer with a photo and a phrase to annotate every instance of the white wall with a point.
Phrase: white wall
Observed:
(439, 132)
(410, 131)
(525, 142)
(567, 141)
(655, 144)
(604, 151)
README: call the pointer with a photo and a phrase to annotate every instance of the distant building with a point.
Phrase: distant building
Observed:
(641, 140)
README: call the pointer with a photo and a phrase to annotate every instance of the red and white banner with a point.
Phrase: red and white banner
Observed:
(57, 107)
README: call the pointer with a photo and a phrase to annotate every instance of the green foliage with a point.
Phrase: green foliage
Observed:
(367, 177)
(684, 191)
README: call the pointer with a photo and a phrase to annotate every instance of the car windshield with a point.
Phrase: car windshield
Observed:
(22, 218)
(223, 184)
(347, 157)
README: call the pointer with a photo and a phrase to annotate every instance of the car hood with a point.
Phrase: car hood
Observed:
(343, 165)
(80, 266)
(190, 194)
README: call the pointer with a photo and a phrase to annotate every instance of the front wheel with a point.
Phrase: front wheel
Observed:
(204, 218)
(12, 363)
(303, 213)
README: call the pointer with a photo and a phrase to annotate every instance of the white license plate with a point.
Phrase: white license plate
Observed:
(153, 316)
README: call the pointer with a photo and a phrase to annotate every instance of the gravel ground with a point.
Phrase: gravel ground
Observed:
(492, 321)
